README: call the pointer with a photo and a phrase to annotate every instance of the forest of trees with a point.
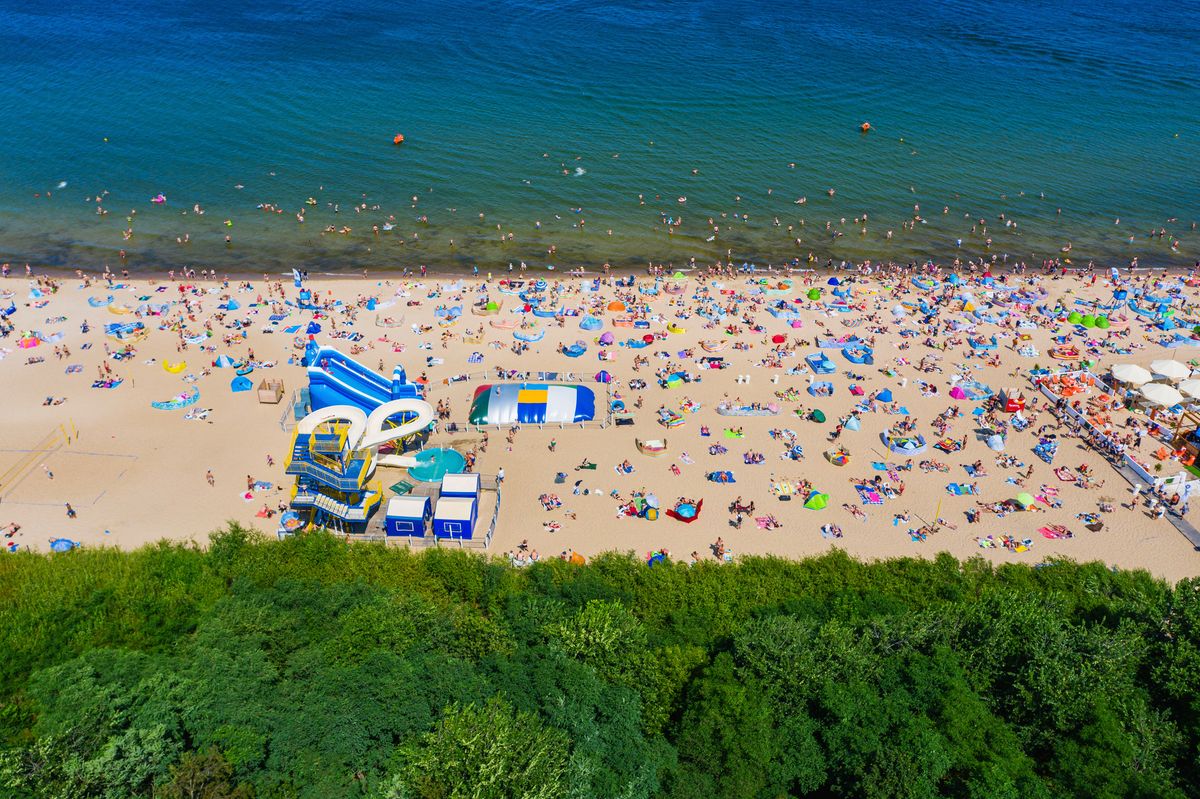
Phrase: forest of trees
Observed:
(314, 668)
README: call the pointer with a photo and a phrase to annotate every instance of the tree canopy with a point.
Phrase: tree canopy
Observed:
(316, 668)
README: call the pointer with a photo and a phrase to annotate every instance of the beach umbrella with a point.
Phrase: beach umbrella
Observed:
(1131, 373)
(649, 339)
(603, 377)
(954, 280)
(607, 338)
(818, 415)
(778, 338)
(1024, 499)
(1160, 394)
(1189, 387)
(816, 501)
(1172, 370)
(28, 342)
(814, 294)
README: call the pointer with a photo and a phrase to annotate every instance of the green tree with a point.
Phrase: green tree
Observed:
(202, 775)
(483, 752)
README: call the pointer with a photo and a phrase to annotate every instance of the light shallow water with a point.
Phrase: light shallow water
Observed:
(981, 107)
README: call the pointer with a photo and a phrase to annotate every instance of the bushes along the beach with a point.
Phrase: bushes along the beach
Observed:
(312, 668)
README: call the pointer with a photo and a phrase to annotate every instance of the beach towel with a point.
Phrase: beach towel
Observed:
(1055, 531)
(959, 489)
(879, 466)
(291, 329)
(74, 369)
(868, 495)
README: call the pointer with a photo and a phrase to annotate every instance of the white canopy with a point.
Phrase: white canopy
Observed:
(1172, 370)
(1160, 394)
(1131, 373)
(1190, 388)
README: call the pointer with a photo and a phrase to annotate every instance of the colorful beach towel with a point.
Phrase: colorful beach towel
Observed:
(868, 495)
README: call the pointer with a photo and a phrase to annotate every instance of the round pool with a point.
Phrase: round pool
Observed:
(435, 463)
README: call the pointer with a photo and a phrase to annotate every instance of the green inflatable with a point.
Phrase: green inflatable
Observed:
(1089, 321)
(814, 294)
(1074, 317)
(1102, 322)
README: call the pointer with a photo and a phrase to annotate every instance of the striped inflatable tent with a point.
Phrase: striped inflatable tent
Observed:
(532, 403)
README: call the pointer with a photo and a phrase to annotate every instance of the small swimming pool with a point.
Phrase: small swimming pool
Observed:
(435, 463)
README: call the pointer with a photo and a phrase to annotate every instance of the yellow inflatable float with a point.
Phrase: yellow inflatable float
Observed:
(174, 368)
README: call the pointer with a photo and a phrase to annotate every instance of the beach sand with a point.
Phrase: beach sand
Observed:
(135, 474)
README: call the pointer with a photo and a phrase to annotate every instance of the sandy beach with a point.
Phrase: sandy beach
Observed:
(133, 473)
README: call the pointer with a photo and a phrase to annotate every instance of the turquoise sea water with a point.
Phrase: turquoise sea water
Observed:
(979, 107)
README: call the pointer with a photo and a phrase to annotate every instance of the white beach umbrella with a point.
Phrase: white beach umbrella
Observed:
(1160, 394)
(1131, 373)
(1190, 387)
(1172, 370)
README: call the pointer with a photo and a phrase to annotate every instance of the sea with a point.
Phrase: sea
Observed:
(258, 137)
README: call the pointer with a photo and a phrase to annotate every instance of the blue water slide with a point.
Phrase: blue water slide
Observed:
(336, 379)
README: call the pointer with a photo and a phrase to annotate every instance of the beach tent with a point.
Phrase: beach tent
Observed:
(833, 281)
(241, 383)
(606, 338)
(590, 322)
(616, 307)
(312, 329)
(224, 362)
(853, 424)
(814, 294)
(816, 501)
(63, 545)
(232, 305)
(995, 442)
(407, 515)
(603, 377)
(818, 415)
(1024, 499)
(885, 395)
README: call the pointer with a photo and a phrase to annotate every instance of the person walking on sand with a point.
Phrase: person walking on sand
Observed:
(212, 481)
(70, 511)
